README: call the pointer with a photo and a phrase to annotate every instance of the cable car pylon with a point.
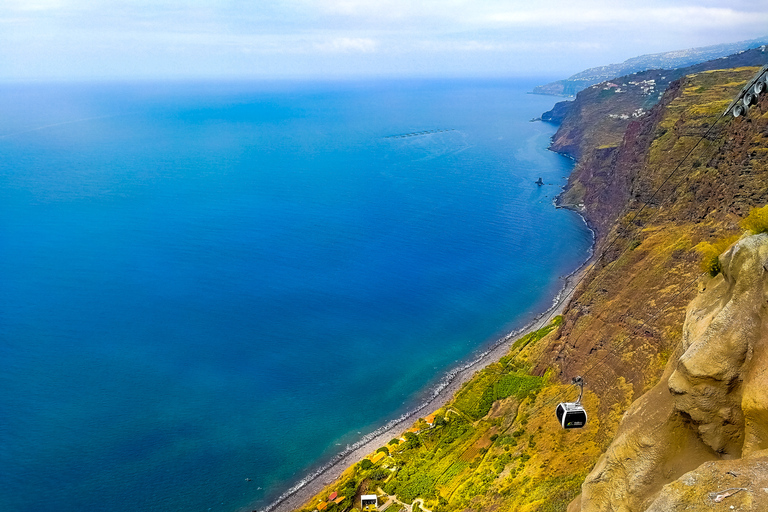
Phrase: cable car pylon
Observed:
(748, 95)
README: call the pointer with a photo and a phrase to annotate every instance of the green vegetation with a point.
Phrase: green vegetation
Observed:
(411, 441)
(504, 379)
(556, 493)
(711, 252)
(535, 336)
(467, 452)
(517, 384)
(756, 221)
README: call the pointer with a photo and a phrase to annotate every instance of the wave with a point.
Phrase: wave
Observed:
(416, 134)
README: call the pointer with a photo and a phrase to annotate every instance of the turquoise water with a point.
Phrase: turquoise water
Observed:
(203, 283)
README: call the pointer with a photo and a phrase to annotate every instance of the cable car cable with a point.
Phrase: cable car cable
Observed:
(637, 213)
(760, 77)
(585, 371)
(672, 192)
(647, 202)
(626, 232)
(674, 189)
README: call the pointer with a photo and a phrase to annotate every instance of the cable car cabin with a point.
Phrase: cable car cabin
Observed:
(571, 415)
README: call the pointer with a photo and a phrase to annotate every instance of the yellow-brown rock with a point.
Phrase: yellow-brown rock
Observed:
(699, 438)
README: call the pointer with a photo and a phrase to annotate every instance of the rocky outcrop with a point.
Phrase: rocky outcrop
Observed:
(700, 436)
(558, 112)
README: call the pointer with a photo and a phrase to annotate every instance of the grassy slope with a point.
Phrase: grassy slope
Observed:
(497, 445)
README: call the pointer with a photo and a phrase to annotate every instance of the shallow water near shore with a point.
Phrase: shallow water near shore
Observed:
(207, 283)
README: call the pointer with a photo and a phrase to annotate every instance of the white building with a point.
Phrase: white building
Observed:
(369, 502)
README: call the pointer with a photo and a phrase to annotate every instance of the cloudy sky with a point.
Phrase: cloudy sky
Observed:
(104, 39)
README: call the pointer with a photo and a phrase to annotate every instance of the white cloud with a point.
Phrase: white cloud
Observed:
(32, 5)
(313, 36)
(347, 45)
(573, 17)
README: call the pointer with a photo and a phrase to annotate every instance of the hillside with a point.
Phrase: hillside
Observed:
(666, 60)
(596, 124)
(601, 113)
(496, 445)
(633, 310)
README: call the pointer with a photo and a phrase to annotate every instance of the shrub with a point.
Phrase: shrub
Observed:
(380, 474)
(411, 440)
(712, 265)
(366, 464)
(757, 220)
(711, 253)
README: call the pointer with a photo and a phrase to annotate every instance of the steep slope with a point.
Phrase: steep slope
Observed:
(595, 126)
(637, 316)
(601, 113)
(496, 446)
(702, 431)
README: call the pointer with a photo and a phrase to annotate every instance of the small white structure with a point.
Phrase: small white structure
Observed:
(369, 502)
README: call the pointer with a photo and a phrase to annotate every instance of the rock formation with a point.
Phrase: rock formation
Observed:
(700, 436)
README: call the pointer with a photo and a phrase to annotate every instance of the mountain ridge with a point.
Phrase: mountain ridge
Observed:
(664, 60)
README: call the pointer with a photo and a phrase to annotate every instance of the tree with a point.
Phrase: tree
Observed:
(411, 440)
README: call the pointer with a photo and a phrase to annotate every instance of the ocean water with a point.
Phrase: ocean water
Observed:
(202, 283)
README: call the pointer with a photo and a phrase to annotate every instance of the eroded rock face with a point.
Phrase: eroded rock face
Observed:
(707, 419)
(741, 484)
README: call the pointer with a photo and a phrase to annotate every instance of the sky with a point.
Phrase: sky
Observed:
(337, 39)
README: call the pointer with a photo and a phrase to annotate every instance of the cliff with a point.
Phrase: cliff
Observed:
(601, 113)
(603, 118)
(702, 431)
(673, 443)
(667, 426)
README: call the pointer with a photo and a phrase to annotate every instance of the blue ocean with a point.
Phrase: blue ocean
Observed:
(205, 283)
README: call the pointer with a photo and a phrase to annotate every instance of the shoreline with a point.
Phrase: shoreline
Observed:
(442, 393)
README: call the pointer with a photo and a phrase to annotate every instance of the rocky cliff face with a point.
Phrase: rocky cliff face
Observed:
(609, 128)
(700, 428)
(702, 432)
(600, 113)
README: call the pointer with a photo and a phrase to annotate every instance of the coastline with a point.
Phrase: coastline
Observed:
(442, 393)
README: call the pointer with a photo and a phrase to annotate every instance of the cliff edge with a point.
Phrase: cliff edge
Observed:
(700, 436)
